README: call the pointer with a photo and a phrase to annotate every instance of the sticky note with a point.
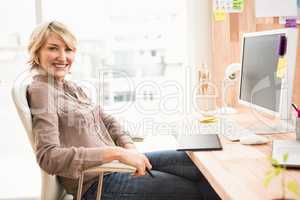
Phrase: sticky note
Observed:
(281, 66)
(237, 4)
(208, 120)
(219, 15)
(291, 23)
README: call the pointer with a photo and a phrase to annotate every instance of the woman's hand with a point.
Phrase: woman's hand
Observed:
(135, 159)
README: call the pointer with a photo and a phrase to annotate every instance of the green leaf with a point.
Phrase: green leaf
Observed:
(274, 162)
(278, 170)
(293, 187)
(270, 172)
(269, 176)
(285, 157)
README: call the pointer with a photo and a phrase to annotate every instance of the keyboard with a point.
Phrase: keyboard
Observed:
(291, 147)
(228, 128)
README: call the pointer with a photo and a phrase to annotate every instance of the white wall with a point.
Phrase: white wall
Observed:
(199, 29)
(199, 21)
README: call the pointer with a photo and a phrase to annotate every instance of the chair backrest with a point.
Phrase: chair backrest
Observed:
(51, 189)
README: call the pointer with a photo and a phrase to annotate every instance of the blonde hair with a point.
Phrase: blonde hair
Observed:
(40, 35)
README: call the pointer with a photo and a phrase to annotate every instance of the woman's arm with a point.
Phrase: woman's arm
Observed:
(130, 146)
(118, 134)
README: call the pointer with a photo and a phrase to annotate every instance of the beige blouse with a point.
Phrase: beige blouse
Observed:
(69, 130)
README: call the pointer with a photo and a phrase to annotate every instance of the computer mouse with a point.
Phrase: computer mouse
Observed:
(253, 139)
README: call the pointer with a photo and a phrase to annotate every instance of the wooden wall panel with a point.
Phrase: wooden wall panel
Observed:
(226, 49)
(296, 97)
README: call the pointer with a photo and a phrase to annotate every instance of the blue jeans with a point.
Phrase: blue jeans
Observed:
(176, 178)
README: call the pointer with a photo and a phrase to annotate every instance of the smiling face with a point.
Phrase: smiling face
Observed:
(55, 57)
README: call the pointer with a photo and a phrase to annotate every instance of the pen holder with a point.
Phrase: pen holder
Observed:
(298, 128)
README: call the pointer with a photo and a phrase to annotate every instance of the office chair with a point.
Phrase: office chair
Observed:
(51, 188)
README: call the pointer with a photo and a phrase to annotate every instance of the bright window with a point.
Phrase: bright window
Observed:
(17, 19)
(128, 35)
(139, 37)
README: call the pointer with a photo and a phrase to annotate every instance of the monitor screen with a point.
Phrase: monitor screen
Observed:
(259, 84)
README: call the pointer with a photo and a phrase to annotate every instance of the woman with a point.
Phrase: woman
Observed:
(72, 134)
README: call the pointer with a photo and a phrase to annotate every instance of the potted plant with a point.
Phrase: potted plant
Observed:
(279, 170)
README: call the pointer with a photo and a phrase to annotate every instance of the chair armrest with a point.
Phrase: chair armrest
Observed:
(114, 166)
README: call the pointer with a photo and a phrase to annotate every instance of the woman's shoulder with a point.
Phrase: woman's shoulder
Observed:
(40, 85)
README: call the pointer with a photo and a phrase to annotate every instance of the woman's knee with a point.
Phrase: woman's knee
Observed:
(159, 158)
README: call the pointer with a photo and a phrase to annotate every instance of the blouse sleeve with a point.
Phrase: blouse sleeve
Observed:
(51, 156)
(118, 134)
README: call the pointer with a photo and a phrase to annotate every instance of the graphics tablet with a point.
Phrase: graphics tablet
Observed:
(200, 142)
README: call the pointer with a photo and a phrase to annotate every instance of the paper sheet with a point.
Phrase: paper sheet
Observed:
(273, 8)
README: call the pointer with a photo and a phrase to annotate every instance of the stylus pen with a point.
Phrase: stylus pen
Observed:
(150, 173)
(295, 107)
(297, 110)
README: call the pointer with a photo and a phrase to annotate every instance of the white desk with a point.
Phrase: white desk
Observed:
(157, 143)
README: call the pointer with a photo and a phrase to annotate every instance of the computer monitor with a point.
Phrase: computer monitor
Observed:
(260, 88)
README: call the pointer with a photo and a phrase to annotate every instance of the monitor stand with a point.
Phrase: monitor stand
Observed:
(226, 110)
